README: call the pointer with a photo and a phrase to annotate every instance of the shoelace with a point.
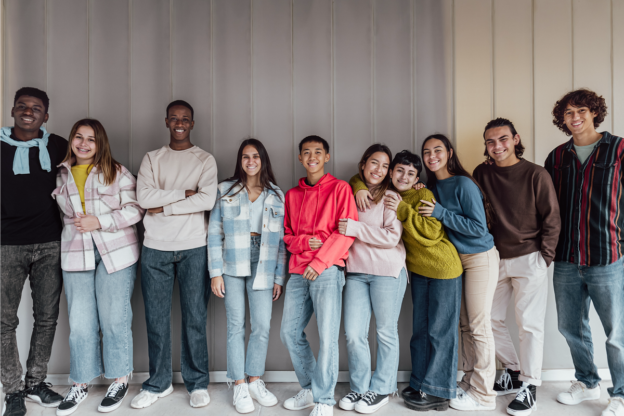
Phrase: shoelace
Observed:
(353, 396)
(369, 397)
(526, 393)
(614, 404)
(43, 386)
(576, 387)
(301, 395)
(423, 394)
(75, 392)
(319, 409)
(240, 393)
(505, 381)
(18, 395)
(114, 389)
(261, 388)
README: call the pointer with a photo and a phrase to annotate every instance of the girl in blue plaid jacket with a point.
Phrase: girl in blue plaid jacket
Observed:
(246, 253)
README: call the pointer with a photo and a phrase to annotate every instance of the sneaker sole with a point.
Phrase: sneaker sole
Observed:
(68, 411)
(37, 400)
(346, 406)
(524, 412)
(266, 404)
(299, 408)
(440, 407)
(369, 409)
(107, 409)
(158, 396)
(243, 411)
(579, 402)
(506, 392)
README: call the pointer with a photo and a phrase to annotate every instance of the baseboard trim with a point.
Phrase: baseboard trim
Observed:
(290, 377)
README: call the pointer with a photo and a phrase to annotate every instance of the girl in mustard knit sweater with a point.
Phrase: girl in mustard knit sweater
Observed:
(436, 287)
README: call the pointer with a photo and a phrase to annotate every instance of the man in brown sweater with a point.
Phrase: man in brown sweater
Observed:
(526, 232)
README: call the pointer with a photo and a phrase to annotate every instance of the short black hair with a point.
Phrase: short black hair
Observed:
(405, 157)
(314, 139)
(33, 92)
(503, 122)
(183, 104)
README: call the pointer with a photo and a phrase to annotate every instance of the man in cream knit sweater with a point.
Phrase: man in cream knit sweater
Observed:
(177, 184)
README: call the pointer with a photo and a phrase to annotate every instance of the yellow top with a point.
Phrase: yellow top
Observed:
(430, 253)
(80, 174)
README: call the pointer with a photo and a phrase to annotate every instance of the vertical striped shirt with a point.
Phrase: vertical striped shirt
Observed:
(590, 201)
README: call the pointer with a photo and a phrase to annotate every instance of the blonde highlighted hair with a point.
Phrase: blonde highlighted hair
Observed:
(103, 157)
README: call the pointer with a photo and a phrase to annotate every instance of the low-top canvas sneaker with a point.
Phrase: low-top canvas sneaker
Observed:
(114, 396)
(371, 402)
(465, 402)
(524, 403)
(200, 398)
(508, 383)
(14, 404)
(43, 395)
(70, 403)
(578, 393)
(321, 409)
(422, 402)
(242, 400)
(259, 392)
(615, 407)
(348, 402)
(300, 401)
(147, 398)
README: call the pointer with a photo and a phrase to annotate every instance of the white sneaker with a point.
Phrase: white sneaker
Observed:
(465, 402)
(242, 399)
(300, 401)
(578, 393)
(259, 392)
(615, 407)
(200, 398)
(321, 409)
(147, 398)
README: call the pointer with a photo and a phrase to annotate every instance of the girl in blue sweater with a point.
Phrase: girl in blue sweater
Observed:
(465, 212)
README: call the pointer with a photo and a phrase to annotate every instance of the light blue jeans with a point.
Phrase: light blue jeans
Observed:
(260, 308)
(323, 297)
(97, 300)
(575, 287)
(383, 295)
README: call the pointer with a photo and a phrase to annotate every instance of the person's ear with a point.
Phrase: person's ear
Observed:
(327, 157)
(192, 124)
(417, 178)
(516, 139)
(300, 160)
(167, 122)
(45, 118)
(451, 153)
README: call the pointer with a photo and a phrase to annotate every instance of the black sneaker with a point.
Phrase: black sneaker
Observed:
(14, 404)
(371, 402)
(524, 403)
(75, 396)
(348, 402)
(114, 396)
(410, 392)
(426, 402)
(508, 383)
(42, 394)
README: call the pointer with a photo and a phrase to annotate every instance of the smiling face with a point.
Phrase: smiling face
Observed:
(501, 145)
(180, 123)
(404, 177)
(83, 145)
(29, 113)
(579, 120)
(251, 161)
(435, 155)
(376, 169)
(313, 157)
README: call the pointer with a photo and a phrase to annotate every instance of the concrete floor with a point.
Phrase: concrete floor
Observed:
(177, 404)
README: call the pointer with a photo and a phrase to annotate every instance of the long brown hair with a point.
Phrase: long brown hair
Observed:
(378, 191)
(103, 157)
(266, 172)
(455, 168)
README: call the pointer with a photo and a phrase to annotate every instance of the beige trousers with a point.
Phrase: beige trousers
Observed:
(475, 322)
(527, 277)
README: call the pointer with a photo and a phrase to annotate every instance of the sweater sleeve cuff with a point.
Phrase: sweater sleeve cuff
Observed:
(318, 266)
(438, 211)
(352, 228)
(403, 211)
(168, 210)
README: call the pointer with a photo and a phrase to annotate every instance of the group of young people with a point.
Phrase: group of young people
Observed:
(465, 243)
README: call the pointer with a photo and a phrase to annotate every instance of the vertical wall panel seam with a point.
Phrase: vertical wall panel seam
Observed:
(373, 39)
(333, 89)
(612, 69)
(3, 60)
(533, 79)
(47, 45)
(131, 159)
(170, 51)
(572, 40)
(88, 59)
(292, 87)
(212, 83)
(251, 69)
(453, 81)
(413, 74)
(492, 61)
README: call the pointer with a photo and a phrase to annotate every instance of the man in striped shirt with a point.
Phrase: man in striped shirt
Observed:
(588, 178)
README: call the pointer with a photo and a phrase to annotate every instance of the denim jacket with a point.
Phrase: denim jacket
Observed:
(229, 250)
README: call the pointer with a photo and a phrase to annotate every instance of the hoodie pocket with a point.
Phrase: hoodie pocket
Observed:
(276, 219)
(231, 207)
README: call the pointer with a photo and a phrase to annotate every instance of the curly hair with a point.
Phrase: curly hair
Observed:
(579, 98)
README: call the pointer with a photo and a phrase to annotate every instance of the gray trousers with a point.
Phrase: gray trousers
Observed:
(42, 263)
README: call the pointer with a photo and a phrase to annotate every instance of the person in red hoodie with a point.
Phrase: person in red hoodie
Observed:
(318, 254)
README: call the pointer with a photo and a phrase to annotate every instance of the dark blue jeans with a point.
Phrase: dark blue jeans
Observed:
(575, 287)
(159, 270)
(435, 335)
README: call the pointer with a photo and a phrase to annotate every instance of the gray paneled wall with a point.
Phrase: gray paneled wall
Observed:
(277, 70)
